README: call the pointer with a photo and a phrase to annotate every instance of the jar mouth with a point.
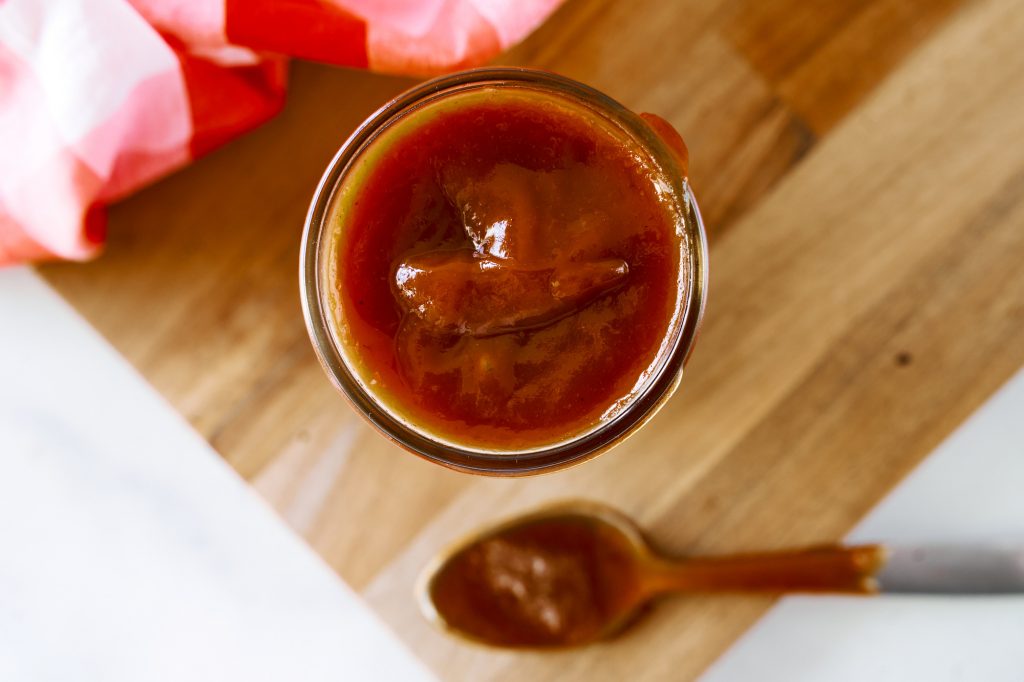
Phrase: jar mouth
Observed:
(667, 368)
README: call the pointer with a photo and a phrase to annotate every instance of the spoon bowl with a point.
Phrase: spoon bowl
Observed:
(564, 575)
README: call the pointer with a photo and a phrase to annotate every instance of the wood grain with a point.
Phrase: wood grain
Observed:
(858, 165)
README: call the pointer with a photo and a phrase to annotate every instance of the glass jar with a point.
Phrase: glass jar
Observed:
(667, 370)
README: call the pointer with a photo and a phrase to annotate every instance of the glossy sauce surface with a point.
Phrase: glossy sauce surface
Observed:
(555, 582)
(507, 266)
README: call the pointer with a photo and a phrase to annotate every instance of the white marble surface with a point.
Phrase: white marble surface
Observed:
(129, 550)
(971, 489)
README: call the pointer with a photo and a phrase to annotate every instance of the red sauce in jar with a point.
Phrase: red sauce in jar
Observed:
(507, 267)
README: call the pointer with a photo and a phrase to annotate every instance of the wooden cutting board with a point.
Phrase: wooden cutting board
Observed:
(861, 170)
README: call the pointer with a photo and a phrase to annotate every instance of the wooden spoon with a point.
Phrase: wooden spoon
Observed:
(578, 572)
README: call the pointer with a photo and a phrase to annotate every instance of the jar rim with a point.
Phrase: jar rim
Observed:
(464, 458)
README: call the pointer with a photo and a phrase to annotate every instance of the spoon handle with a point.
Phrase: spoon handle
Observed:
(827, 568)
(864, 569)
(953, 569)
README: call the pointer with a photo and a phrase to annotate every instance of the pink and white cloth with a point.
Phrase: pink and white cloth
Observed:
(100, 97)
